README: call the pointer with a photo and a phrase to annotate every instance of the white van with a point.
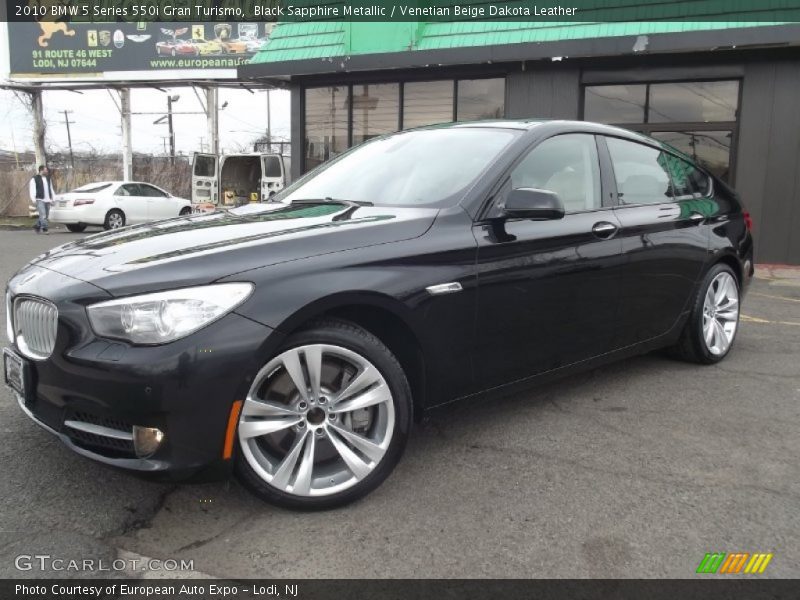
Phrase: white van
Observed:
(233, 179)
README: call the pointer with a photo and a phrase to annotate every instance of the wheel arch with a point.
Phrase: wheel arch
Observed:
(734, 263)
(384, 317)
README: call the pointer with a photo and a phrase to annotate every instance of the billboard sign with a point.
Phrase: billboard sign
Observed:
(49, 49)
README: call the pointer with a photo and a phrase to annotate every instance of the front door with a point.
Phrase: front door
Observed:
(548, 290)
(160, 205)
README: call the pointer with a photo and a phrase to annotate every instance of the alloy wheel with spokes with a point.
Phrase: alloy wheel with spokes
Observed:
(720, 313)
(713, 322)
(115, 219)
(318, 422)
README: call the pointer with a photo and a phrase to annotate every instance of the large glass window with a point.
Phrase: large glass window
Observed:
(336, 117)
(481, 99)
(701, 102)
(697, 117)
(427, 103)
(376, 110)
(615, 103)
(326, 123)
(566, 165)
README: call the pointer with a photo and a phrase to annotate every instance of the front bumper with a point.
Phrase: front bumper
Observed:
(91, 392)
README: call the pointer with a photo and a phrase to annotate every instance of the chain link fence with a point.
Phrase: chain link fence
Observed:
(175, 177)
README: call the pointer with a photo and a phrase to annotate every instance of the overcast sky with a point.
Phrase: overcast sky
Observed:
(97, 123)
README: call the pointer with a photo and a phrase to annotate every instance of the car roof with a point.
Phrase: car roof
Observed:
(553, 125)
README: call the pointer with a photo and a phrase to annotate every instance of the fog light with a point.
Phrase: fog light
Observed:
(146, 440)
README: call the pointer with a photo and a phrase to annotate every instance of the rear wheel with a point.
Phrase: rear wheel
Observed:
(326, 420)
(76, 227)
(114, 219)
(711, 329)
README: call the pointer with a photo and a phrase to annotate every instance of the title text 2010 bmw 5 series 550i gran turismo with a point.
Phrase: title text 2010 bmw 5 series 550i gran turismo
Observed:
(294, 342)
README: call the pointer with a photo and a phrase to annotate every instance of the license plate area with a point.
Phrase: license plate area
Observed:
(17, 373)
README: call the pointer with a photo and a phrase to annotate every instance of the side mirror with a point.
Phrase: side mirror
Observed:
(531, 203)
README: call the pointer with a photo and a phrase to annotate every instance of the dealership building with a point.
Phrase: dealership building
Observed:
(724, 92)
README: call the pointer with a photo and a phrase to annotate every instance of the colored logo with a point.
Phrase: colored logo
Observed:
(91, 38)
(734, 562)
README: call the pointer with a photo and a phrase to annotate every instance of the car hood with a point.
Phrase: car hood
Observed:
(200, 249)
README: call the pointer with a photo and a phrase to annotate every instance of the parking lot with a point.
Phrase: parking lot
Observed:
(634, 470)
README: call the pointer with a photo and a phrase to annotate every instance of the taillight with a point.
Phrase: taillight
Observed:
(82, 201)
(748, 221)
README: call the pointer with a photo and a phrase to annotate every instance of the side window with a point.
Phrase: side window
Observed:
(567, 165)
(129, 189)
(642, 172)
(205, 166)
(272, 166)
(687, 180)
(149, 190)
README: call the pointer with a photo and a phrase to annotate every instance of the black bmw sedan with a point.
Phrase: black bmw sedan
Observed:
(295, 342)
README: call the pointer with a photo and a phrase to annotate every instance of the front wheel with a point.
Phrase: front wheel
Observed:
(185, 211)
(114, 219)
(711, 329)
(76, 227)
(326, 420)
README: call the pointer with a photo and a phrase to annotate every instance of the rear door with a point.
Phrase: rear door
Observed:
(205, 178)
(130, 198)
(665, 235)
(548, 290)
(273, 175)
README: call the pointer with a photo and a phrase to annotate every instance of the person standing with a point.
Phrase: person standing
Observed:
(41, 193)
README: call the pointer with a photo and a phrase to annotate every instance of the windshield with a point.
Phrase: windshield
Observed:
(412, 168)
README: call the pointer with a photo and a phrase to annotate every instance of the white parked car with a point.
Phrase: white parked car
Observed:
(114, 204)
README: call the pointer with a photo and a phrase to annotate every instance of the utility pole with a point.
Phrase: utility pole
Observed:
(269, 123)
(213, 119)
(67, 122)
(127, 146)
(170, 100)
(37, 112)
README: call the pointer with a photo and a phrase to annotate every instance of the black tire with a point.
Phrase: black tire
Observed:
(356, 339)
(110, 219)
(185, 211)
(76, 227)
(691, 345)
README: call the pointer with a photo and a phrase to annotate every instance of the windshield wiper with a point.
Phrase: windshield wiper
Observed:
(329, 200)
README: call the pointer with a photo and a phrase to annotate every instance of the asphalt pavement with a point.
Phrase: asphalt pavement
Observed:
(633, 470)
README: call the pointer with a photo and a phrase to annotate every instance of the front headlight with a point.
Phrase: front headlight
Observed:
(9, 325)
(166, 316)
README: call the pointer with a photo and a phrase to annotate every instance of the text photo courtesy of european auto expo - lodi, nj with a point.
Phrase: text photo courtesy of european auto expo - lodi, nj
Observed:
(400, 299)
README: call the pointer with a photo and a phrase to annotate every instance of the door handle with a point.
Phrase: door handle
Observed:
(696, 218)
(604, 230)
